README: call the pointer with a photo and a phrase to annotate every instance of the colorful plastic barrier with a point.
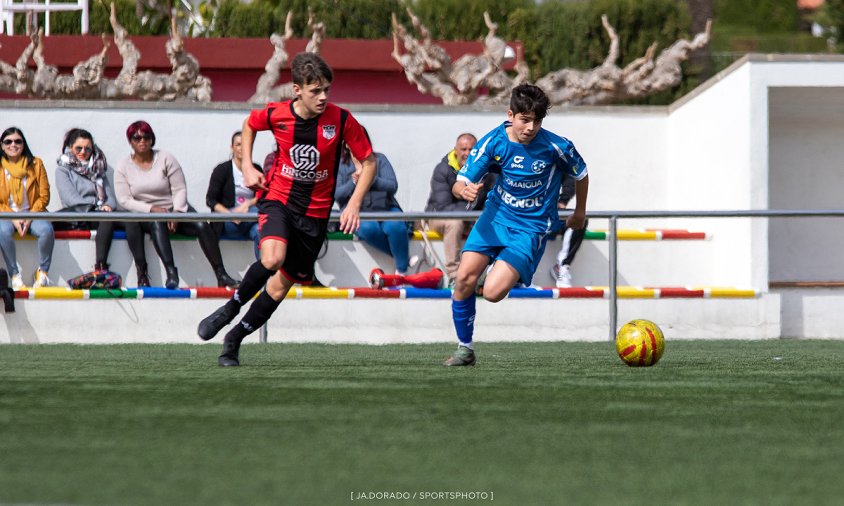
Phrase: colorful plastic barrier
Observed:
(644, 234)
(588, 292)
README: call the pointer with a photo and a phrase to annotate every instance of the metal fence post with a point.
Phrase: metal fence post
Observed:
(613, 276)
(262, 334)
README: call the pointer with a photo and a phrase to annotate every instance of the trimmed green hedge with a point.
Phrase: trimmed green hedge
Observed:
(758, 16)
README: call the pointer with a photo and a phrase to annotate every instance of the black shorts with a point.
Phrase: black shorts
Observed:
(303, 235)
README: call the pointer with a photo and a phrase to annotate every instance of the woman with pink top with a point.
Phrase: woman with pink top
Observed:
(151, 181)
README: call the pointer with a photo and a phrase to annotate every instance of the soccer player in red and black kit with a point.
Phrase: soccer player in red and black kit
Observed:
(294, 197)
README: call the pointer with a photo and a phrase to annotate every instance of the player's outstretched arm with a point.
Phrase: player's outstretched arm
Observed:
(350, 217)
(252, 178)
(577, 219)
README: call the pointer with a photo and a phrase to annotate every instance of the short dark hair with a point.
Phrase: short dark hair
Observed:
(140, 126)
(76, 133)
(527, 98)
(27, 154)
(235, 136)
(308, 68)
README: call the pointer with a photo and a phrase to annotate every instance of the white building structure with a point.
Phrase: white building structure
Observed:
(766, 133)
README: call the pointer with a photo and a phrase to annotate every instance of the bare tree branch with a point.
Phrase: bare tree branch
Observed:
(318, 34)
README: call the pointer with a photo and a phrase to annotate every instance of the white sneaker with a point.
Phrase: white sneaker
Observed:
(17, 282)
(40, 279)
(561, 275)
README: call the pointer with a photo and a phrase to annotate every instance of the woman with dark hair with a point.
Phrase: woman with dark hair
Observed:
(84, 187)
(151, 181)
(24, 188)
(226, 194)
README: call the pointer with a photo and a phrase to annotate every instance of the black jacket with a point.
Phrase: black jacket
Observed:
(221, 186)
(567, 191)
(221, 190)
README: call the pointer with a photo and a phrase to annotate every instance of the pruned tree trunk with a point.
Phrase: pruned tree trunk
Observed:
(266, 90)
(608, 83)
(87, 81)
(428, 67)
(184, 81)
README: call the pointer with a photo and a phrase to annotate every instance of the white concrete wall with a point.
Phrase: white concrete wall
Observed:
(768, 125)
(386, 321)
(708, 146)
(617, 143)
(806, 157)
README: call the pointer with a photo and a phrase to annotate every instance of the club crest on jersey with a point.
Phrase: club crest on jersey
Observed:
(537, 166)
(329, 131)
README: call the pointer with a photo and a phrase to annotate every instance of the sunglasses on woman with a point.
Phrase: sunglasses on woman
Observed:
(82, 149)
(139, 138)
(9, 142)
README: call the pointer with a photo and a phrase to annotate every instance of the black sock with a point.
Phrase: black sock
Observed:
(253, 281)
(259, 313)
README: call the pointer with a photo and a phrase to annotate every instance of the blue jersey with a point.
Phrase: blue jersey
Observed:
(525, 195)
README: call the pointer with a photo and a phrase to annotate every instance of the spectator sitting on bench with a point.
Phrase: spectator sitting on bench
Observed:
(83, 187)
(24, 188)
(151, 181)
(443, 199)
(226, 194)
(391, 237)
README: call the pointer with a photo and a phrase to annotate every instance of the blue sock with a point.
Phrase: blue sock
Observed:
(463, 314)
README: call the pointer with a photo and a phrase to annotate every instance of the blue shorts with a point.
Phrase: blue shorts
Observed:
(522, 250)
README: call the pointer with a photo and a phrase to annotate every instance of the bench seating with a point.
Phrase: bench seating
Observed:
(347, 262)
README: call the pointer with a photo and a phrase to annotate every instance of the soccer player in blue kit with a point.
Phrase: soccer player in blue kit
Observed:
(520, 211)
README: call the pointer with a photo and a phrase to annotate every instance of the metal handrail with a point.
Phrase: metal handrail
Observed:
(420, 215)
(612, 216)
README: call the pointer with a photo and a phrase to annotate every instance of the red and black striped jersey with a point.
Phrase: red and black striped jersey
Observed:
(304, 174)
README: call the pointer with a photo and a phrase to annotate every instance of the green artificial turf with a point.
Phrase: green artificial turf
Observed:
(551, 423)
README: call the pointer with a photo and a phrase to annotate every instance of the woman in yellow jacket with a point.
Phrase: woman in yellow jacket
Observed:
(24, 188)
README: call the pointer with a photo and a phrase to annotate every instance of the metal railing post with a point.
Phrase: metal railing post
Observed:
(262, 334)
(613, 277)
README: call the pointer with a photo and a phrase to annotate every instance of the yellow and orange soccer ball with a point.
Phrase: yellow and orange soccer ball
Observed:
(640, 343)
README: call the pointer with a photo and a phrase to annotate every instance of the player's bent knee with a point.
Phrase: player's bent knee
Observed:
(494, 296)
(466, 277)
(463, 291)
(272, 262)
